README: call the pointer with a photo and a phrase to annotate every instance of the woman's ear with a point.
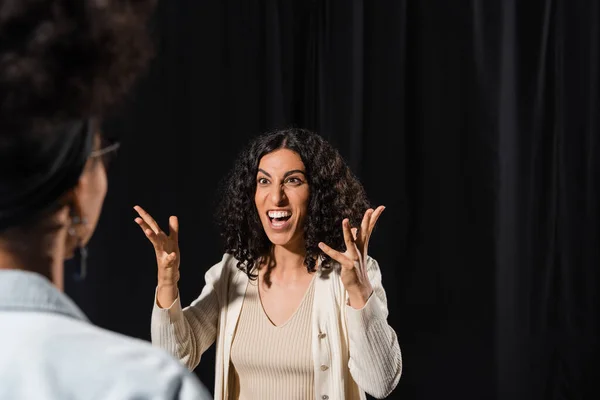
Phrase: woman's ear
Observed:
(75, 222)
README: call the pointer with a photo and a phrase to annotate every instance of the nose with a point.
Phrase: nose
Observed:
(278, 195)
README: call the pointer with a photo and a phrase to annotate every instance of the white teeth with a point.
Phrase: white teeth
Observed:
(279, 214)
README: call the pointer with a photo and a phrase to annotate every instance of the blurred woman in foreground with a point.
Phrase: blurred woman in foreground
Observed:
(62, 63)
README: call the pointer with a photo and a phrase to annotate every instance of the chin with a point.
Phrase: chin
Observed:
(284, 239)
(279, 239)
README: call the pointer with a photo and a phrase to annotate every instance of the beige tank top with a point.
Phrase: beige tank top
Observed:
(272, 362)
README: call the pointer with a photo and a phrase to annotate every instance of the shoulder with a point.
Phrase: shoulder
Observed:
(138, 370)
(86, 361)
(133, 368)
(119, 353)
(227, 267)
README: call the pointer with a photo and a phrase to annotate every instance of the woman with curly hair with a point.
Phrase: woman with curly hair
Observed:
(62, 64)
(296, 305)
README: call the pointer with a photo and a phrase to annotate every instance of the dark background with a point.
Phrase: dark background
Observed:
(474, 122)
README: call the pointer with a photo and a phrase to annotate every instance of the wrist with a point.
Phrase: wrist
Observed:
(166, 295)
(358, 297)
(168, 290)
(166, 284)
(167, 281)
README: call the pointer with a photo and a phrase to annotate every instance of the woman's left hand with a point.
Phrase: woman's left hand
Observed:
(353, 260)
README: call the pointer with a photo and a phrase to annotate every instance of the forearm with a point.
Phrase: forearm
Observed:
(185, 334)
(358, 298)
(375, 358)
(166, 295)
(171, 332)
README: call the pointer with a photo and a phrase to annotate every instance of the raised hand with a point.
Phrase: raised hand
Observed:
(166, 248)
(353, 260)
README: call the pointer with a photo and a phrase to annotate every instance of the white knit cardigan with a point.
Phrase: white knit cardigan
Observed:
(354, 351)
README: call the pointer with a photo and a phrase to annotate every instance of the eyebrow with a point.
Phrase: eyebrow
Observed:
(294, 171)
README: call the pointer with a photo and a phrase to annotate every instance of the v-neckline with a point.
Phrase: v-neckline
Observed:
(291, 317)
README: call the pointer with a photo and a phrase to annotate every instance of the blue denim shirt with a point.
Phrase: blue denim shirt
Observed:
(50, 351)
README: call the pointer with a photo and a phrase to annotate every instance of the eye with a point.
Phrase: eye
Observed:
(262, 181)
(294, 181)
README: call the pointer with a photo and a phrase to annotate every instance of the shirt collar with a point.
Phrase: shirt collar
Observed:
(30, 291)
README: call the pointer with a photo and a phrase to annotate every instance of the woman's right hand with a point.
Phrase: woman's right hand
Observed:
(166, 248)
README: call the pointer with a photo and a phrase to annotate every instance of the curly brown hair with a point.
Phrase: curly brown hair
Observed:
(61, 61)
(68, 59)
(335, 194)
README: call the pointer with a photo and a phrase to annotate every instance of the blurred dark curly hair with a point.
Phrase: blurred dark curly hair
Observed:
(335, 194)
(60, 61)
(68, 59)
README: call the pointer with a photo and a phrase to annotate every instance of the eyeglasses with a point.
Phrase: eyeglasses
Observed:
(107, 152)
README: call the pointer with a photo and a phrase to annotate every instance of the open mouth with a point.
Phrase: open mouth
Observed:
(279, 218)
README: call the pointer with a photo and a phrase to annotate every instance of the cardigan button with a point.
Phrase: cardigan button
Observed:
(324, 367)
(322, 335)
(325, 397)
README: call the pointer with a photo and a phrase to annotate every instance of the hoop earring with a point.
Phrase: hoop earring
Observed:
(81, 252)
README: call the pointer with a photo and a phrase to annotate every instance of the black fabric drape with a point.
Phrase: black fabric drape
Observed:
(475, 123)
(547, 279)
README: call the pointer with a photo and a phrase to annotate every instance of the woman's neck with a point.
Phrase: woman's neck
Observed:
(287, 263)
(44, 255)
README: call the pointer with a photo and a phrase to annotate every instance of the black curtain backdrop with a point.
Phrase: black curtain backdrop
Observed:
(475, 123)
